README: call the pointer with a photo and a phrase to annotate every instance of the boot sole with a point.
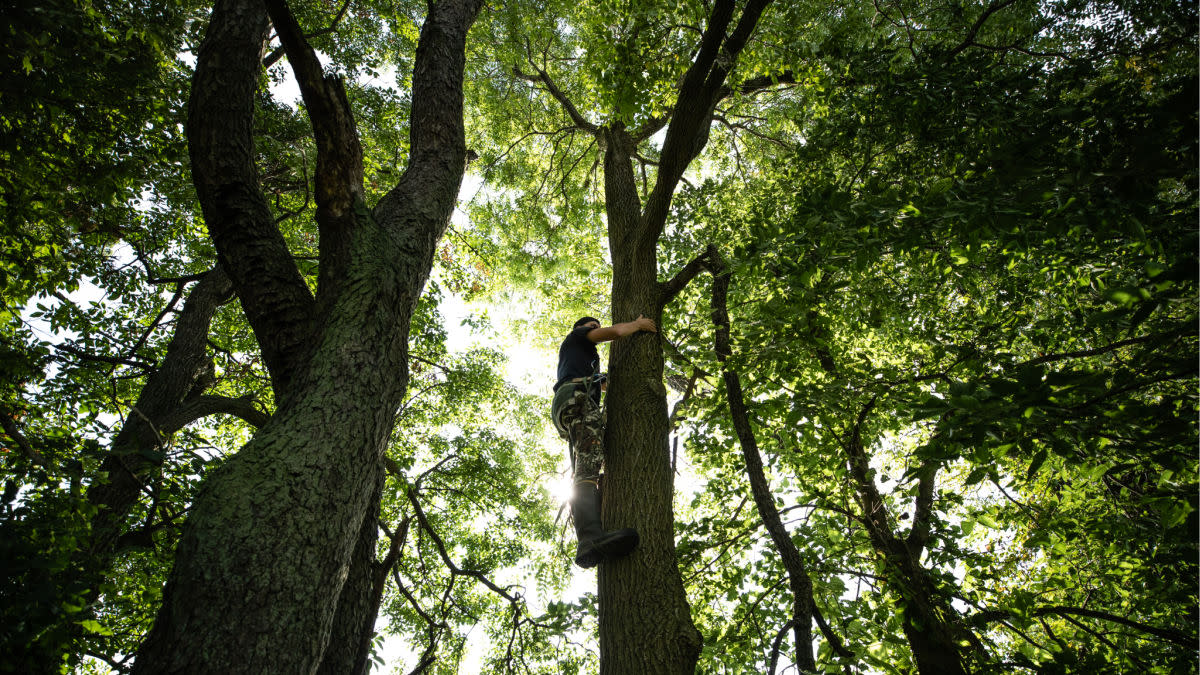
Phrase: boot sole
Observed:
(618, 547)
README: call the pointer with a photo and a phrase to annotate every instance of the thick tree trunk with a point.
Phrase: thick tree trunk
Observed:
(272, 536)
(268, 547)
(645, 623)
(274, 296)
(354, 624)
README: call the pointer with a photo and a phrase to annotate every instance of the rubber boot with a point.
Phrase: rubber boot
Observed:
(596, 545)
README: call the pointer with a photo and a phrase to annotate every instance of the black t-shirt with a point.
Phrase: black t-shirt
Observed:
(577, 357)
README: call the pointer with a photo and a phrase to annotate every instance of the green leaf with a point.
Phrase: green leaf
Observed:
(93, 626)
(977, 475)
(987, 520)
(1036, 463)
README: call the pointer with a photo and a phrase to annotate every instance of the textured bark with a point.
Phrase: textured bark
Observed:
(268, 546)
(699, 94)
(354, 623)
(271, 540)
(274, 296)
(339, 172)
(349, 648)
(645, 623)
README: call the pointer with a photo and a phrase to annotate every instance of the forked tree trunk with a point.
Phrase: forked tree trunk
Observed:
(264, 557)
(940, 644)
(261, 564)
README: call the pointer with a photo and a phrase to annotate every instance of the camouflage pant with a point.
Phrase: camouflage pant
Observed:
(581, 422)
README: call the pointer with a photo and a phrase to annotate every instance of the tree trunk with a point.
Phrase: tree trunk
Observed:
(645, 620)
(273, 532)
(264, 555)
(932, 643)
(183, 375)
(930, 623)
(354, 624)
(645, 623)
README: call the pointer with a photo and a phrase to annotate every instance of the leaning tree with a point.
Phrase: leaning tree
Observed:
(269, 571)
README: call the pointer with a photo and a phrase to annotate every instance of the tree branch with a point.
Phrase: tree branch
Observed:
(307, 195)
(777, 643)
(699, 92)
(200, 407)
(1084, 353)
(969, 40)
(1135, 385)
(651, 127)
(118, 666)
(734, 44)
(670, 289)
(339, 171)
(688, 390)
(185, 279)
(835, 642)
(115, 360)
(438, 152)
(918, 536)
(798, 579)
(10, 428)
(546, 81)
(162, 313)
(434, 627)
(734, 127)
(1168, 634)
(757, 84)
(441, 547)
(687, 132)
(184, 372)
(221, 145)
(274, 56)
(395, 546)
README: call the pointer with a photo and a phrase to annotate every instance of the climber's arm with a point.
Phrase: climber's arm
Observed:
(620, 330)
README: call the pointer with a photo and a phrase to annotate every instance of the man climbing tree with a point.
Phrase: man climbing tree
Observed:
(644, 141)
(578, 418)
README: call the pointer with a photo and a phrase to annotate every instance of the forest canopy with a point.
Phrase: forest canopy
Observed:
(923, 399)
